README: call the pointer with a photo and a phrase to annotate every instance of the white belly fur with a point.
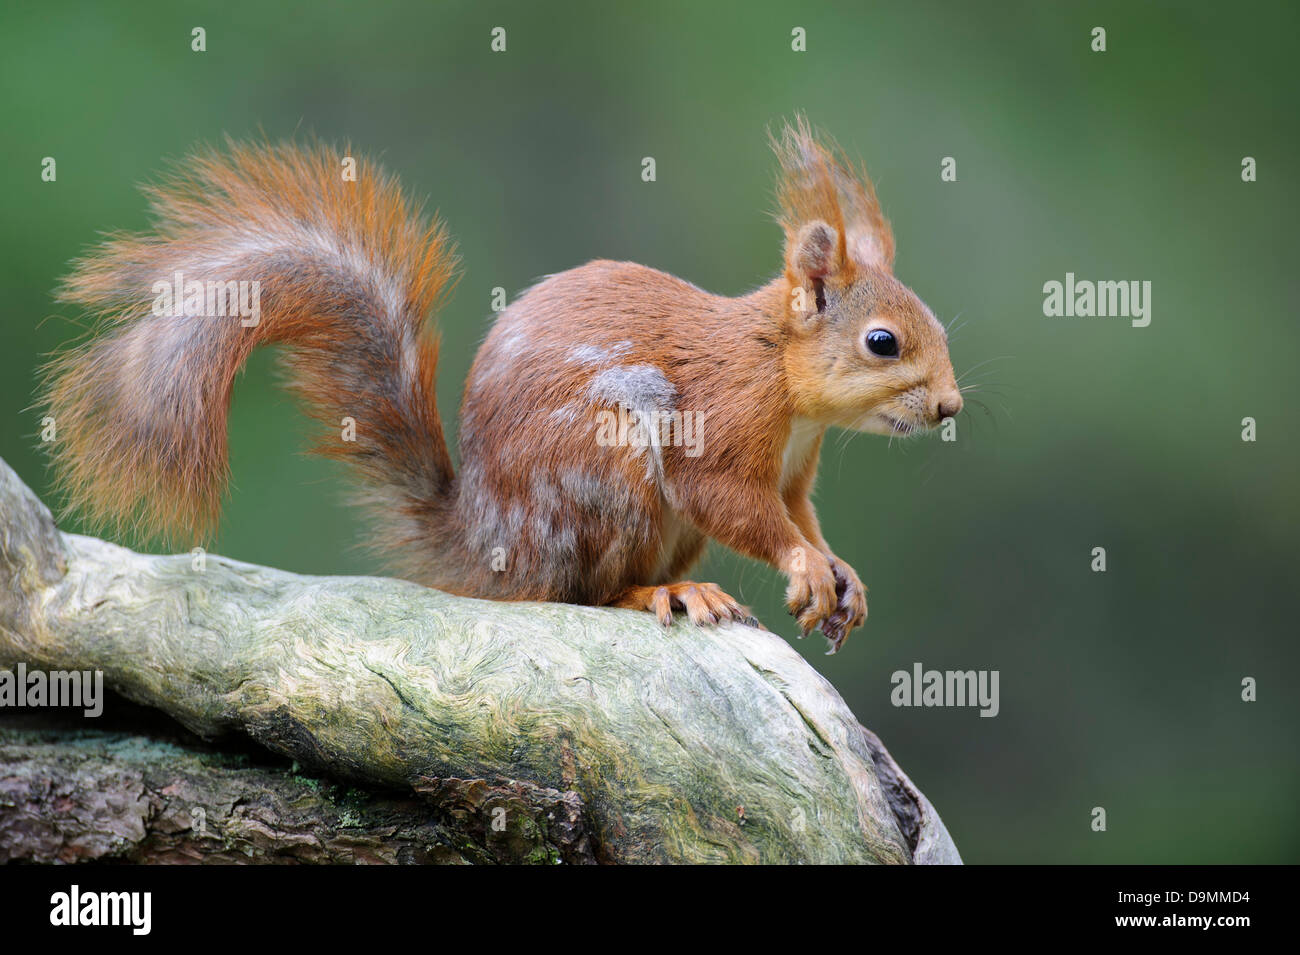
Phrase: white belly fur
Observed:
(803, 435)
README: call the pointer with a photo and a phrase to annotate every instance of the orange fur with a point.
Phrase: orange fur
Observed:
(542, 507)
(141, 408)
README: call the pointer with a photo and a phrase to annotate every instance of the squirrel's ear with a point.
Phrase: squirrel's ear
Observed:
(814, 252)
(813, 255)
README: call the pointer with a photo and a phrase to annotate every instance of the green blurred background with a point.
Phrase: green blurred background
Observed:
(1120, 689)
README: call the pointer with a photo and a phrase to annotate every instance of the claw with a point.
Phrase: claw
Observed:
(705, 604)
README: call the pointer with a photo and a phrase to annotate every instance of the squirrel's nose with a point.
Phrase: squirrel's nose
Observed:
(949, 406)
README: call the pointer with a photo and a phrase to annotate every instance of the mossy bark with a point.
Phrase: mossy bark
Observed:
(86, 795)
(595, 733)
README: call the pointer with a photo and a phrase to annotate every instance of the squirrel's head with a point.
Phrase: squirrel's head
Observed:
(862, 351)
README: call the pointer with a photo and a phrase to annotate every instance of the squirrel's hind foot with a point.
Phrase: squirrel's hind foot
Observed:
(703, 603)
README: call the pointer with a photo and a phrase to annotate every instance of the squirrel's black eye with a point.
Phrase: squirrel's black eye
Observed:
(882, 343)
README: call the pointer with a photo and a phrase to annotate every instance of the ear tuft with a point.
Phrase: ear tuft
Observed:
(867, 248)
(819, 185)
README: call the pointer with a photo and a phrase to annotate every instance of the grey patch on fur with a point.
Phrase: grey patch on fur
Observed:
(585, 490)
(594, 494)
(599, 355)
(588, 355)
(514, 525)
(554, 536)
(566, 415)
(497, 364)
(642, 388)
(511, 340)
(547, 509)
(644, 391)
(546, 493)
(482, 514)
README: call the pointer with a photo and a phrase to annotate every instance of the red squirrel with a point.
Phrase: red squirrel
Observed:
(348, 272)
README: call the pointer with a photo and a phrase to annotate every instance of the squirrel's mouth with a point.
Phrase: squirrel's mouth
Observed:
(880, 422)
(898, 426)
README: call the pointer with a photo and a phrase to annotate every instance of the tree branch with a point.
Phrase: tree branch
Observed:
(552, 732)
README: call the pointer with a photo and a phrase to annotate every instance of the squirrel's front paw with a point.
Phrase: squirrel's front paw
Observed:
(851, 605)
(812, 596)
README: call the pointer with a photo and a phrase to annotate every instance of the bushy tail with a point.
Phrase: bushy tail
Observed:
(344, 271)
